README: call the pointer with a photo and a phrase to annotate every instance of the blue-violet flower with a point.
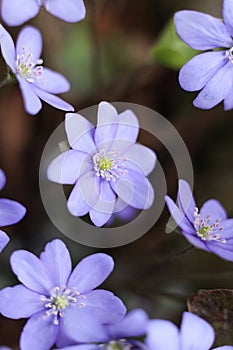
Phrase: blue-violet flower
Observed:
(61, 305)
(103, 163)
(10, 213)
(36, 82)
(207, 229)
(212, 71)
(15, 13)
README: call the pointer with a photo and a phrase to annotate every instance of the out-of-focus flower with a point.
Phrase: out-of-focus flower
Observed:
(195, 333)
(62, 305)
(10, 213)
(36, 82)
(120, 335)
(208, 229)
(103, 163)
(15, 13)
(212, 71)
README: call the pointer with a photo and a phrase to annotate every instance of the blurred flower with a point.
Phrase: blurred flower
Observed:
(15, 13)
(10, 213)
(195, 333)
(211, 71)
(104, 162)
(208, 229)
(35, 81)
(60, 304)
(118, 335)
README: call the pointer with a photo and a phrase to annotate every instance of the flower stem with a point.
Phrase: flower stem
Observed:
(175, 255)
(10, 78)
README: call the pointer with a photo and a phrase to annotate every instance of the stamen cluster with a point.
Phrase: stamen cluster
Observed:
(29, 70)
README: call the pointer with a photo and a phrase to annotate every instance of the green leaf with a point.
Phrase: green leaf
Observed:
(170, 50)
(216, 307)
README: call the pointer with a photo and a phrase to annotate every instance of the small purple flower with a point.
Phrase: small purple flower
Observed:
(195, 333)
(119, 335)
(16, 12)
(61, 305)
(103, 163)
(10, 213)
(212, 71)
(207, 229)
(36, 82)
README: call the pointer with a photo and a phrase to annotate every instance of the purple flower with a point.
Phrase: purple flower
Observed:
(195, 333)
(15, 13)
(118, 335)
(104, 162)
(59, 303)
(36, 82)
(10, 213)
(207, 229)
(212, 71)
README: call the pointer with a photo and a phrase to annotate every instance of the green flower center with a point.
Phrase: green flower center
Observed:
(61, 302)
(105, 163)
(30, 70)
(109, 165)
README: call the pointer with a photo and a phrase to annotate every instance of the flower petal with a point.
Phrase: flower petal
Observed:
(228, 101)
(2, 179)
(4, 239)
(225, 347)
(31, 100)
(15, 13)
(84, 194)
(74, 10)
(104, 306)
(179, 216)
(142, 156)
(10, 212)
(54, 82)
(221, 249)
(195, 333)
(80, 133)
(52, 100)
(228, 15)
(30, 39)
(31, 271)
(195, 74)
(83, 347)
(134, 324)
(213, 208)
(39, 333)
(69, 166)
(7, 48)
(227, 232)
(216, 89)
(134, 188)
(196, 241)
(202, 31)
(91, 272)
(104, 206)
(162, 334)
(186, 200)
(56, 258)
(19, 302)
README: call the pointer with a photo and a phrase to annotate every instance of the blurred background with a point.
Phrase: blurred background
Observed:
(123, 51)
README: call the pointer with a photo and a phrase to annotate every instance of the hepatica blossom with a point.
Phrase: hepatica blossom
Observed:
(207, 228)
(120, 335)
(104, 164)
(61, 305)
(10, 213)
(195, 333)
(36, 82)
(15, 13)
(212, 71)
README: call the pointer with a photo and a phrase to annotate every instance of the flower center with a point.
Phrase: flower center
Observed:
(58, 301)
(121, 344)
(109, 165)
(229, 54)
(28, 69)
(207, 231)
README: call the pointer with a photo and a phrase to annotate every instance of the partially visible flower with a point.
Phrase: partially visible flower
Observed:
(36, 82)
(15, 13)
(62, 305)
(103, 163)
(10, 213)
(120, 335)
(207, 229)
(212, 71)
(195, 333)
